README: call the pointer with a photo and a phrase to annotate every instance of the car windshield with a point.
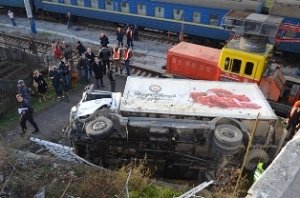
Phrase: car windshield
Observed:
(96, 96)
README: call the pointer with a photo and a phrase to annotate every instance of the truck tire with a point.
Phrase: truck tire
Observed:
(255, 156)
(99, 128)
(225, 149)
(228, 135)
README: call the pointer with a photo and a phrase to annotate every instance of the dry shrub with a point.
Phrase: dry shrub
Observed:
(139, 177)
(227, 191)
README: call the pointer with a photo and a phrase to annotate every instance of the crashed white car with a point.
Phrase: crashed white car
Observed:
(94, 102)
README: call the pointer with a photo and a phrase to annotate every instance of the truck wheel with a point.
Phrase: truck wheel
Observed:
(255, 156)
(228, 135)
(99, 128)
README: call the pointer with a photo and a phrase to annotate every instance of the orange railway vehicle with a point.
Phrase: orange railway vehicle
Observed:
(193, 61)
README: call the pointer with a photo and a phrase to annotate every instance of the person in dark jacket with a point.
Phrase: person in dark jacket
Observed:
(24, 91)
(120, 36)
(89, 54)
(80, 48)
(104, 55)
(129, 37)
(98, 71)
(83, 67)
(103, 40)
(112, 81)
(56, 78)
(26, 112)
(65, 73)
(42, 85)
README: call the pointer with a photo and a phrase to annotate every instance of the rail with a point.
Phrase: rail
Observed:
(8, 40)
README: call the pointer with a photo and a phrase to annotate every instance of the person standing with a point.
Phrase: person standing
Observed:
(69, 20)
(127, 54)
(104, 55)
(83, 67)
(65, 72)
(103, 40)
(89, 54)
(294, 118)
(56, 78)
(112, 81)
(117, 58)
(26, 112)
(42, 85)
(98, 71)
(74, 73)
(129, 37)
(24, 90)
(11, 16)
(120, 36)
(80, 48)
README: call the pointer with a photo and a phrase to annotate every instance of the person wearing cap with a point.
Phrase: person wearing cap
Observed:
(26, 111)
(80, 48)
(24, 90)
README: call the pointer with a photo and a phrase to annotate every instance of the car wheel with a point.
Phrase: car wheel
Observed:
(228, 135)
(99, 128)
(255, 156)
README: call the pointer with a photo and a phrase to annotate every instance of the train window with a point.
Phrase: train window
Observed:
(94, 4)
(227, 63)
(196, 17)
(249, 68)
(178, 14)
(236, 66)
(141, 9)
(109, 5)
(125, 7)
(80, 3)
(68, 2)
(159, 12)
(214, 19)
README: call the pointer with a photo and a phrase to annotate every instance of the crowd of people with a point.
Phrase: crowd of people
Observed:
(89, 66)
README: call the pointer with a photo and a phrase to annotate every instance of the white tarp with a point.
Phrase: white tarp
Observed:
(195, 98)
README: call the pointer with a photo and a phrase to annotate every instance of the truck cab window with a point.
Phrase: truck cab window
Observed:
(249, 68)
(226, 64)
(236, 66)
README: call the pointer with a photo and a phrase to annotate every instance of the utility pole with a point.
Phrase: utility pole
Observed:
(30, 16)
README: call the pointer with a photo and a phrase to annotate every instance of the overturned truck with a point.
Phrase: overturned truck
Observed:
(195, 128)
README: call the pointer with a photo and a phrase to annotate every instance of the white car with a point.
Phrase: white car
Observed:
(93, 102)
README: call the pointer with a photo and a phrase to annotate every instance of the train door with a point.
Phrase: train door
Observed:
(141, 9)
(68, 2)
(159, 12)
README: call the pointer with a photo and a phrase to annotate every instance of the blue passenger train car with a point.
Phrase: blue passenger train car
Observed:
(12, 3)
(192, 17)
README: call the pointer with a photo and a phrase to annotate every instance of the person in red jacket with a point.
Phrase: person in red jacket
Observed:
(127, 54)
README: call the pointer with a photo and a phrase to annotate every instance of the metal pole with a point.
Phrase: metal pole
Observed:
(247, 152)
(30, 16)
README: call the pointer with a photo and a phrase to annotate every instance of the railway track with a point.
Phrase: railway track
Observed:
(23, 43)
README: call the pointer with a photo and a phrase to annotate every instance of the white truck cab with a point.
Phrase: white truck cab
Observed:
(93, 101)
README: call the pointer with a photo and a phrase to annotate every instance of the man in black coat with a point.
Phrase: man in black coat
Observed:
(103, 40)
(56, 78)
(26, 112)
(104, 56)
(98, 71)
